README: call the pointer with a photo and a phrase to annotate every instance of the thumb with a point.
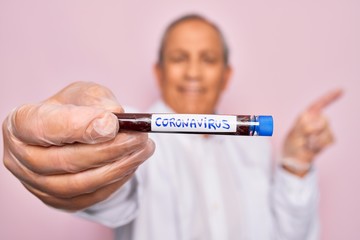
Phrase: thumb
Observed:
(53, 124)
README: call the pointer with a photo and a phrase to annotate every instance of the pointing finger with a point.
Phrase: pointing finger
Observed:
(325, 101)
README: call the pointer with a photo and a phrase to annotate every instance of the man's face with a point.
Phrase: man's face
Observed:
(193, 74)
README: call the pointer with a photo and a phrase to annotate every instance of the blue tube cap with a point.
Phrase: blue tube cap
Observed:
(266, 126)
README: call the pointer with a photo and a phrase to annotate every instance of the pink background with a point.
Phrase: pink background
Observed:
(285, 54)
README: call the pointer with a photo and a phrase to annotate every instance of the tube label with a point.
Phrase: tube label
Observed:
(193, 123)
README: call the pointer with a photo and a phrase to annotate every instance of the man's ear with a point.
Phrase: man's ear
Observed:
(227, 76)
(157, 68)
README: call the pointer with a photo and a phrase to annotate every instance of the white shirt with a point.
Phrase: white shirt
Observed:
(219, 187)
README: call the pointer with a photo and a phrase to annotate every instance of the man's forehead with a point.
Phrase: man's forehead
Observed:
(193, 30)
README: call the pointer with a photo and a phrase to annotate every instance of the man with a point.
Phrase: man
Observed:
(67, 152)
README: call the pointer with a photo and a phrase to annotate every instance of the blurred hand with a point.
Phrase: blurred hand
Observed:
(67, 151)
(309, 136)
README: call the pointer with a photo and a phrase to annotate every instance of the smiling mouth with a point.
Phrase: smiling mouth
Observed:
(191, 90)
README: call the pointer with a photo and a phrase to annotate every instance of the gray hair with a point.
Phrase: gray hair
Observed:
(185, 18)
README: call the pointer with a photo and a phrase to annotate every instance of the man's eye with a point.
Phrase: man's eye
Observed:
(177, 59)
(209, 59)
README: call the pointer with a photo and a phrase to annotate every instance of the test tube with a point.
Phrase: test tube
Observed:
(245, 125)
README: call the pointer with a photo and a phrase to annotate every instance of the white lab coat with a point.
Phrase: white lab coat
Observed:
(219, 187)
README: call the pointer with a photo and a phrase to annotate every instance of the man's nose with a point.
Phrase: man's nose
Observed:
(193, 70)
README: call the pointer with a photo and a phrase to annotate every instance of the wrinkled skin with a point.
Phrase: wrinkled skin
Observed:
(193, 74)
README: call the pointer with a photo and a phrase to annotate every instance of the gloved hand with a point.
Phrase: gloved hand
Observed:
(310, 134)
(67, 150)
